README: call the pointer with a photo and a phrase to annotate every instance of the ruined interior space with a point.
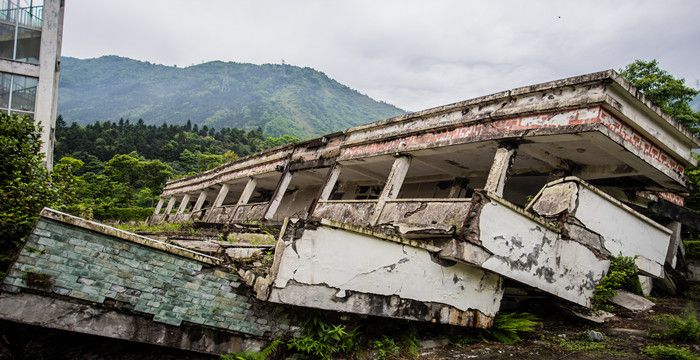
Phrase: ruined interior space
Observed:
(442, 216)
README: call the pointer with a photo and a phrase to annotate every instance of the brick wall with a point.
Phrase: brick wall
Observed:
(72, 261)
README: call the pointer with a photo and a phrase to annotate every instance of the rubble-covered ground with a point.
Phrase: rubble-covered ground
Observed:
(561, 337)
(558, 337)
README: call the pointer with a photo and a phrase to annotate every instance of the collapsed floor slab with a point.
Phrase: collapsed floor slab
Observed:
(337, 269)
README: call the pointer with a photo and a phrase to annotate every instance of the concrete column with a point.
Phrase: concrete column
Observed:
(170, 205)
(247, 191)
(278, 195)
(674, 243)
(200, 200)
(47, 87)
(499, 169)
(393, 185)
(183, 204)
(459, 184)
(221, 196)
(159, 206)
(330, 183)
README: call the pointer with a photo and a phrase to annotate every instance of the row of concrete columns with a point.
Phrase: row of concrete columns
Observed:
(220, 197)
(495, 183)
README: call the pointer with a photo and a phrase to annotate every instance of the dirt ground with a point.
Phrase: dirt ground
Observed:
(564, 338)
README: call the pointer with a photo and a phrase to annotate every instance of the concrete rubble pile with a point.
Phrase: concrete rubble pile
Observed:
(428, 216)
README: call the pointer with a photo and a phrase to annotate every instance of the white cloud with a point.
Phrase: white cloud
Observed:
(414, 54)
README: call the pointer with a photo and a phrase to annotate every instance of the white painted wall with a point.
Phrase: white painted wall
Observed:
(625, 232)
(526, 251)
(344, 260)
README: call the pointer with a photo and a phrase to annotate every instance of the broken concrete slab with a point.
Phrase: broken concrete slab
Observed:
(528, 250)
(598, 317)
(639, 237)
(205, 247)
(371, 278)
(243, 252)
(631, 301)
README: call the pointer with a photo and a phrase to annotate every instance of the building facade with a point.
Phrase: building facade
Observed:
(30, 54)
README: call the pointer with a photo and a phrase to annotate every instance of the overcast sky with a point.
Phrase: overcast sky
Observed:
(413, 54)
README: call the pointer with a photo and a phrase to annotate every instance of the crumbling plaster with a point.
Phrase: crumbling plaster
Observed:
(348, 262)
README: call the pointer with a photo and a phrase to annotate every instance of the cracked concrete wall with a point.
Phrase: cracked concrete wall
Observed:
(622, 230)
(341, 270)
(508, 241)
(525, 250)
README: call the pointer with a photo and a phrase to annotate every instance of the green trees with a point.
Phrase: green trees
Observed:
(664, 90)
(673, 97)
(25, 185)
(117, 170)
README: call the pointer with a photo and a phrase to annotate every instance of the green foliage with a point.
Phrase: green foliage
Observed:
(279, 99)
(622, 274)
(266, 353)
(25, 184)
(100, 174)
(507, 327)
(684, 327)
(692, 248)
(385, 348)
(668, 352)
(664, 90)
(161, 227)
(123, 214)
(324, 341)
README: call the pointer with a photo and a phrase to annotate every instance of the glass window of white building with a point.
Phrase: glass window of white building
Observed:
(17, 93)
(20, 29)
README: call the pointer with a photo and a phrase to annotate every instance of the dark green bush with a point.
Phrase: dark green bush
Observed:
(682, 328)
(385, 348)
(324, 341)
(122, 214)
(622, 274)
(25, 185)
(692, 248)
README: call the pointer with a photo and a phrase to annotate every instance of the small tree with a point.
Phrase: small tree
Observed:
(25, 185)
(664, 90)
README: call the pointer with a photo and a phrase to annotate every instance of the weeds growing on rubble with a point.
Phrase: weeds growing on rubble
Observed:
(507, 327)
(321, 340)
(685, 327)
(669, 352)
(266, 353)
(622, 274)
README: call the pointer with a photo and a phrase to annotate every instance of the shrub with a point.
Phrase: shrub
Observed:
(622, 274)
(385, 348)
(669, 352)
(692, 248)
(682, 328)
(508, 326)
(123, 214)
(323, 340)
(25, 184)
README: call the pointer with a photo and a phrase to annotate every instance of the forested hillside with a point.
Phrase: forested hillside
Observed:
(280, 99)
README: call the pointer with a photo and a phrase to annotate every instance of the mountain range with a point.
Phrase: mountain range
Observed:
(281, 99)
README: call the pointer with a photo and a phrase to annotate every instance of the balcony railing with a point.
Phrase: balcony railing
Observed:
(27, 16)
(420, 212)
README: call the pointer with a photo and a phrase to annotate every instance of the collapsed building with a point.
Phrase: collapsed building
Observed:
(429, 216)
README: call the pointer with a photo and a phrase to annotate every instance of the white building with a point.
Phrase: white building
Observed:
(30, 54)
